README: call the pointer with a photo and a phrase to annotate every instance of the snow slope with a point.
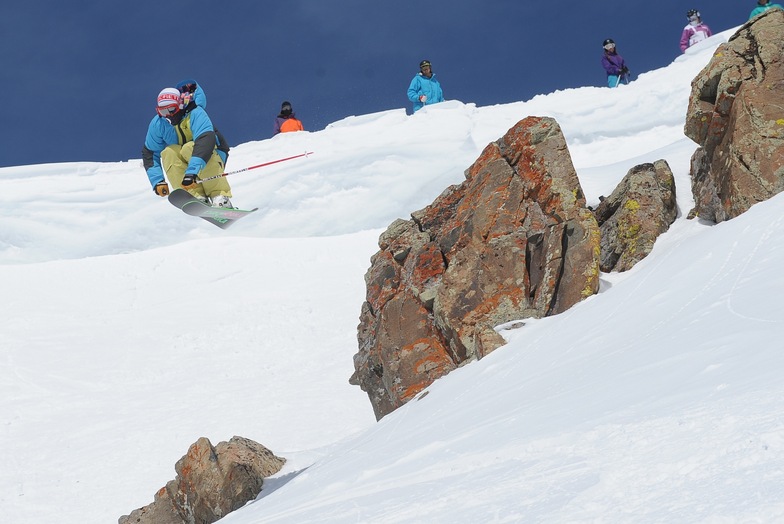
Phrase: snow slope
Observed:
(128, 330)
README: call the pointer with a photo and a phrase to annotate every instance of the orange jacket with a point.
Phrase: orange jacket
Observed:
(291, 124)
(284, 125)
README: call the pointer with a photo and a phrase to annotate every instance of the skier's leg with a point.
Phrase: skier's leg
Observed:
(173, 165)
(175, 160)
(216, 186)
(184, 154)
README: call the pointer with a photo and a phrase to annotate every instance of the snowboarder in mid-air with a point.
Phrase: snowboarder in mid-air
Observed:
(182, 143)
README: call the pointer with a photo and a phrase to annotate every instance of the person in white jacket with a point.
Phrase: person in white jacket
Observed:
(695, 31)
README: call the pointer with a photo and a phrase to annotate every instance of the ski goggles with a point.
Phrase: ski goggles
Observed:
(608, 46)
(168, 111)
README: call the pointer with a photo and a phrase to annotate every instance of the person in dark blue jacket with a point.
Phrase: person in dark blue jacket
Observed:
(424, 88)
(182, 143)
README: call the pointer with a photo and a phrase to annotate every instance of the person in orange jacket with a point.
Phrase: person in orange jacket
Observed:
(286, 121)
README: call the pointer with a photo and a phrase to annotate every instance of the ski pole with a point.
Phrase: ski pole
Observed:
(305, 154)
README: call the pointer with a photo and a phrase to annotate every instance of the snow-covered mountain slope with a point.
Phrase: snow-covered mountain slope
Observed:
(128, 330)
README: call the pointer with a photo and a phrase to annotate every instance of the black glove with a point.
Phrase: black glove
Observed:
(161, 188)
(625, 70)
(188, 180)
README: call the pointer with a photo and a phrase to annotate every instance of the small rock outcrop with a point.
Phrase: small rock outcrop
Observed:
(514, 240)
(211, 482)
(736, 115)
(641, 208)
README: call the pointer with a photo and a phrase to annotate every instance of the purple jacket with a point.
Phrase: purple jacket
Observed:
(612, 63)
(693, 34)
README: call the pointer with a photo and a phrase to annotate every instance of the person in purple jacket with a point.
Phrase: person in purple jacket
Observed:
(614, 65)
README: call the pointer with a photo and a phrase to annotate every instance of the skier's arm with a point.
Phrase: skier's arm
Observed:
(607, 65)
(414, 89)
(203, 147)
(685, 39)
(203, 141)
(151, 157)
(610, 66)
(152, 165)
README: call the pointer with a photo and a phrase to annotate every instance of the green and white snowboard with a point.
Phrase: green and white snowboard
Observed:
(222, 217)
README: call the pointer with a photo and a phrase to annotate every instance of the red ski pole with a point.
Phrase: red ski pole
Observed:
(305, 154)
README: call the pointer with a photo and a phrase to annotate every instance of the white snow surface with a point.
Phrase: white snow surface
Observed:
(128, 330)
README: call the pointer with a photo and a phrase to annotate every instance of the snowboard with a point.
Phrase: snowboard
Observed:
(222, 217)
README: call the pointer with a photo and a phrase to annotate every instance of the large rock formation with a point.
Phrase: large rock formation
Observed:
(641, 208)
(736, 115)
(514, 240)
(211, 482)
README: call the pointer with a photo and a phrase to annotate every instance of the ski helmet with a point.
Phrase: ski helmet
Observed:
(692, 12)
(169, 102)
(424, 63)
(607, 42)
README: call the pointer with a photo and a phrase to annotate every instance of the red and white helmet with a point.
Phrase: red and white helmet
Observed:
(169, 102)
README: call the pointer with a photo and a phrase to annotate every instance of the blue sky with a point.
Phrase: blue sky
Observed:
(79, 78)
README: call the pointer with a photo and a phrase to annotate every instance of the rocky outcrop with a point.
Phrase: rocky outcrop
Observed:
(736, 115)
(514, 240)
(211, 482)
(641, 208)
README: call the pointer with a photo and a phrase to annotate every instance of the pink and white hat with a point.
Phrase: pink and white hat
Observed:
(169, 102)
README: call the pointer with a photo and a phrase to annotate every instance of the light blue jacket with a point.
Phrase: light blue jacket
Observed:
(195, 127)
(422, 85)
(762, 9)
